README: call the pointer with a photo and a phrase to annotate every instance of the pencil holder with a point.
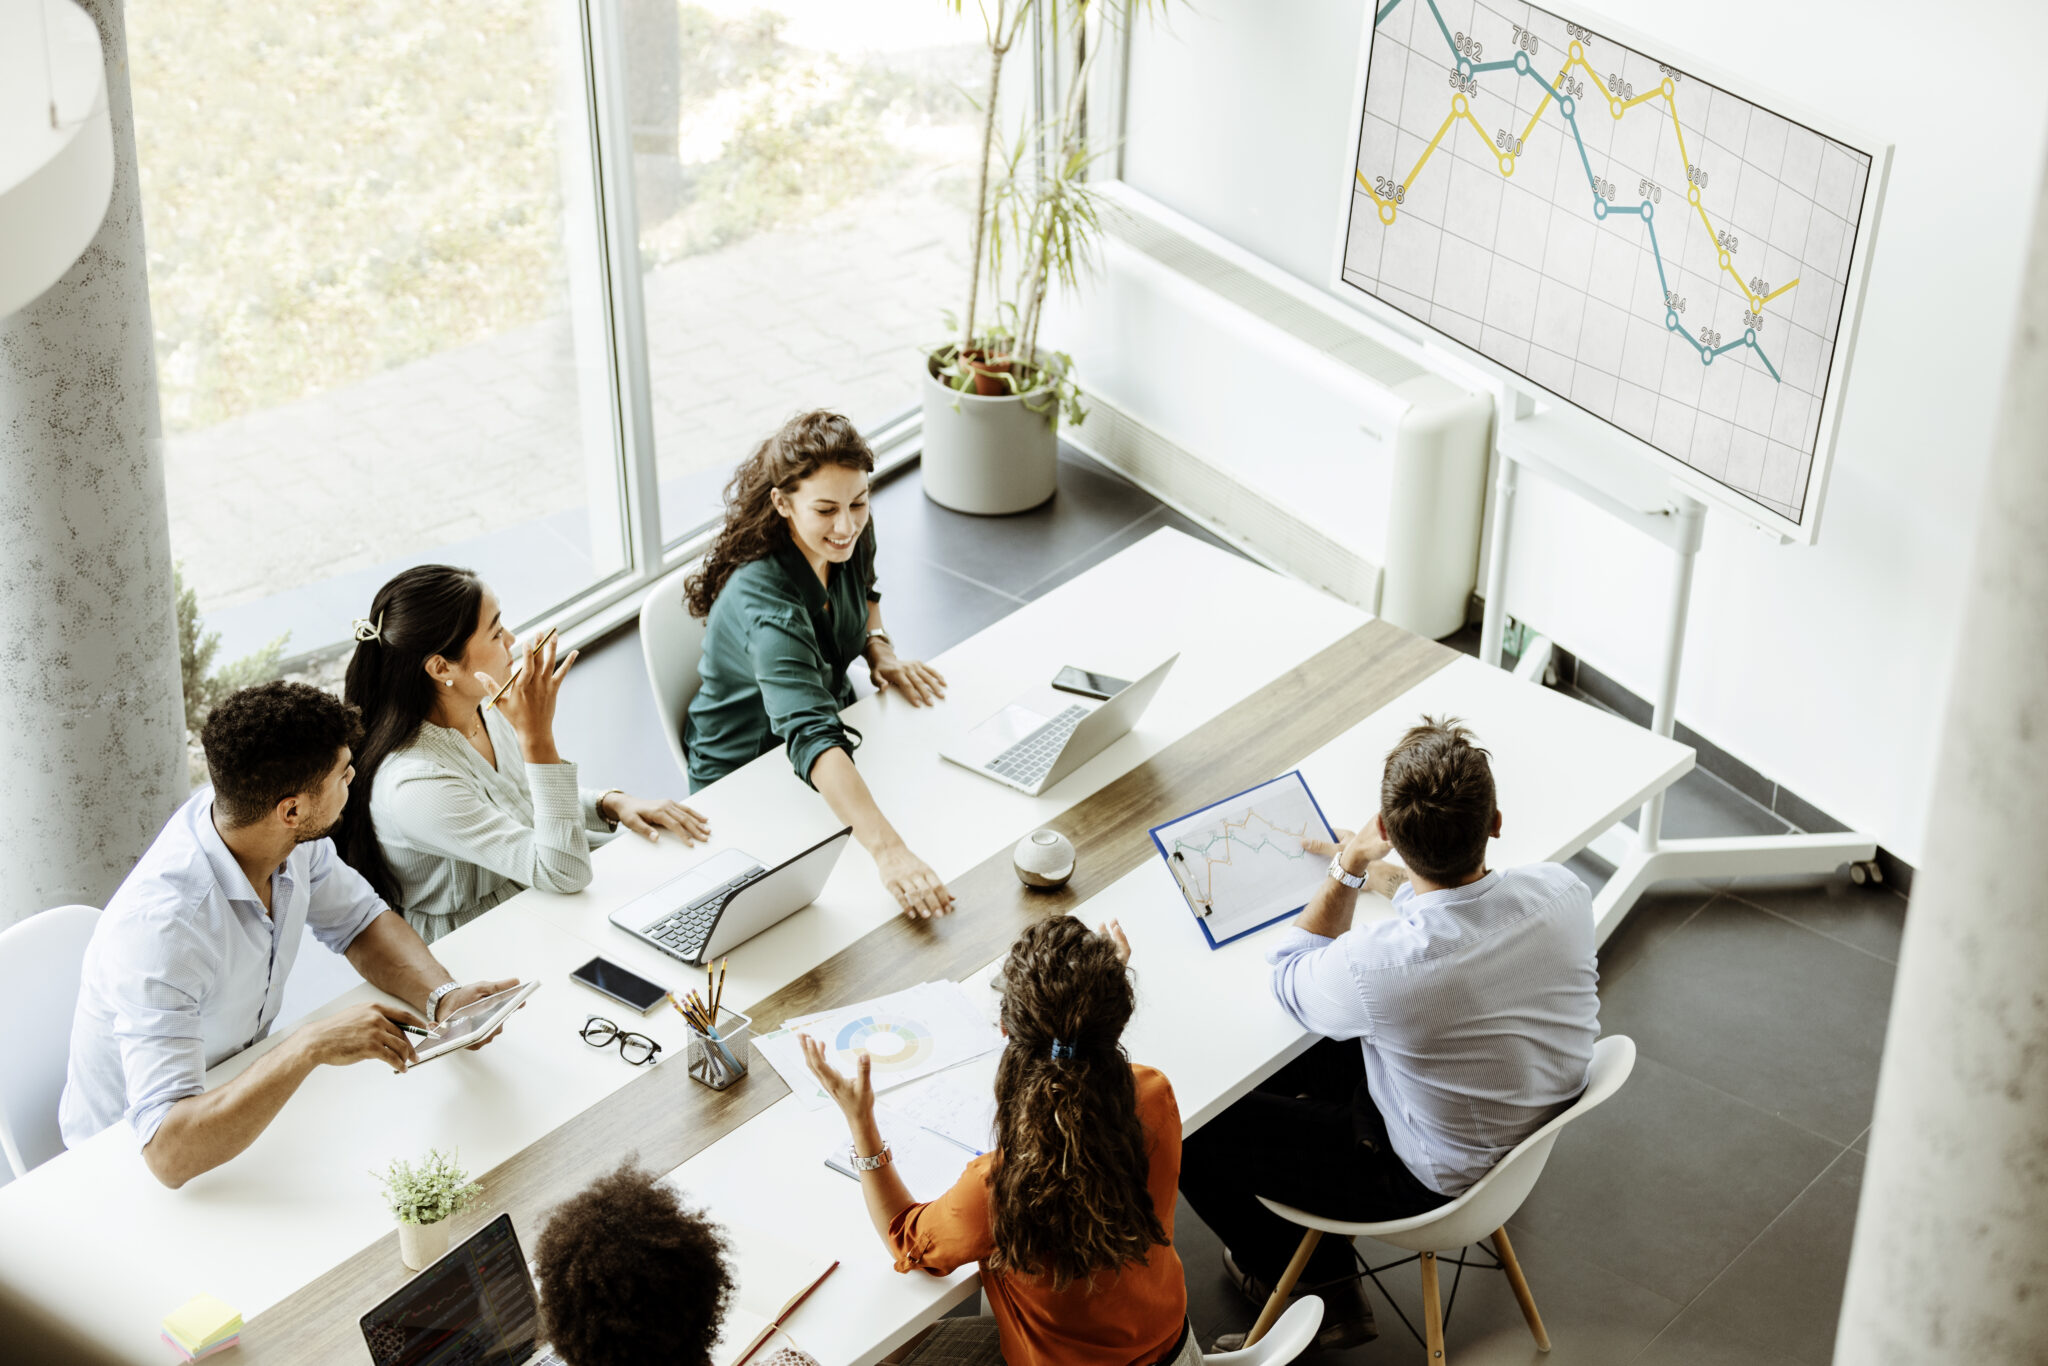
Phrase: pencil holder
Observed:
(720, 1062)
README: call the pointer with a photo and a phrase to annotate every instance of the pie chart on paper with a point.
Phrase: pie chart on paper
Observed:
(895, 1042)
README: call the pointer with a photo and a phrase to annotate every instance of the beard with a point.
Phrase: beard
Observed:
(307, 836)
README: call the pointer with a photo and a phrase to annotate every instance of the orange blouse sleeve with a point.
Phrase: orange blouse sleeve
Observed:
(945, 1234)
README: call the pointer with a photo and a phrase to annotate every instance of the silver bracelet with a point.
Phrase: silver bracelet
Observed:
(868, 1164)
(434, 999)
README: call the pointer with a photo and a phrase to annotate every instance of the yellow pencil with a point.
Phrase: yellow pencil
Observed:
(510, 678)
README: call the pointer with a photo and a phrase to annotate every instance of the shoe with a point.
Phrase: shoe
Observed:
(1333, 1336)
(1347, 1314)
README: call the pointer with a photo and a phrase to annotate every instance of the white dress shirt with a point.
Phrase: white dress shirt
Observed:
(1476, 1007)
(185, 968)
(460, 836)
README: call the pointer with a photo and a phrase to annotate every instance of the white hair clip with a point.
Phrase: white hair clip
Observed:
(369, 630)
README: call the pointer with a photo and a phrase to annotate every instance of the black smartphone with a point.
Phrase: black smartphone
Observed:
(1098, 686)
(627, 988)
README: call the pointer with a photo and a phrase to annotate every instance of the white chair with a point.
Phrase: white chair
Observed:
(40, 959)
(1288, 1339)
(672, 641)
(1481, 1212)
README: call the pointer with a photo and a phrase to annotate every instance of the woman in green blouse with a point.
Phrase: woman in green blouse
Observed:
(788, 596)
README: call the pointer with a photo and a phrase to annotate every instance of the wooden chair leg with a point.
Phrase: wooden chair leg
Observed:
(1278, 1300)
(1508, 1264)
(1432, 1311)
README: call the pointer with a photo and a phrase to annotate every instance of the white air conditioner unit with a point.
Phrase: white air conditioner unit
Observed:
(1265, 410)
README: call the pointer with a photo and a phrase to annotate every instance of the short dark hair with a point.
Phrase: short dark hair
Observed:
(627, 1275)
(1436, 800)
(273, 741)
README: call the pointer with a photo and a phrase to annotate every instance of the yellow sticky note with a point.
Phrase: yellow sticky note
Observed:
(200, 1322)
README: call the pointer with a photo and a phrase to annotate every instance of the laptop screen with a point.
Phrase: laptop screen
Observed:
(474, 1307)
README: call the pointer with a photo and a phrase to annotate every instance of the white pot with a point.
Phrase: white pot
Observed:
(421, 1245)
(988, 455)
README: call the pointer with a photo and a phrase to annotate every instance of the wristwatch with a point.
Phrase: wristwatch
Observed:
(868, 1164)
(1337, 872)
(434, 998)
(877, 633)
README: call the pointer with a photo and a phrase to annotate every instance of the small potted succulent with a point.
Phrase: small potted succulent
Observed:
(423, 1197)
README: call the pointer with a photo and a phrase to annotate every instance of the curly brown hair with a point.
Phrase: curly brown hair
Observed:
(1068, 1189)
(753, 530)
(627, 1275)
(273, 741)
(1436, 800)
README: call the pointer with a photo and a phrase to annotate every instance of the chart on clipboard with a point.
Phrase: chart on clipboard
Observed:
(1241, 863)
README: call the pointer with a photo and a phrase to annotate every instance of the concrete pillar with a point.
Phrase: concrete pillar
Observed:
(1950, 1259)
(92, 752)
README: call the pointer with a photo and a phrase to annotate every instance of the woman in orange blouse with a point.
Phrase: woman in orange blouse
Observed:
(1071, 1217)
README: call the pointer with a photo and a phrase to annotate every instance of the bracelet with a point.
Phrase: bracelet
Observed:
(868, 1164)
(434, 999)
(612, 821)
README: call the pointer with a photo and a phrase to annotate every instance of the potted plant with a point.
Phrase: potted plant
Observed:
(423, 1198)
(992, 399)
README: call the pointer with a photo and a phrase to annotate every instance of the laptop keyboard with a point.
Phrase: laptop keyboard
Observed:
(685, 931)
(1031, 758)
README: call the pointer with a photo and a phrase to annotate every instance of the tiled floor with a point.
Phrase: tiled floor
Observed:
(1703, 1215)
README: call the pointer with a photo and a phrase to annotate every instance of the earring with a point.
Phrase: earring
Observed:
(449, 681)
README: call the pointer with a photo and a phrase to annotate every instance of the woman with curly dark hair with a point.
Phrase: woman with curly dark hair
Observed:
(1071, 1215)
(788, 597)
(629, 1277)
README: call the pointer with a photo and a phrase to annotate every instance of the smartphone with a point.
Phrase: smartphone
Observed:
(1098, 686)
(627, 988)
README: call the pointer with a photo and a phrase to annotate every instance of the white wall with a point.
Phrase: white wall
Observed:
(1825, 667)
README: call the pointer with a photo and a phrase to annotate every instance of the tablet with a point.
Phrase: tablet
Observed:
(473, 1022)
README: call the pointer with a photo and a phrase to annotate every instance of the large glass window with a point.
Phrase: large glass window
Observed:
(380, 309)
(804, 177)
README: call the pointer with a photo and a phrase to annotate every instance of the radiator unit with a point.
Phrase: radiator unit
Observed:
(1246, 400)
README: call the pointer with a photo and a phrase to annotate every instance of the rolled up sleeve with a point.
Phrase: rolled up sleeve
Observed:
(1313, 981)
(943, 1235)
(341, 901)
(157, 1030)
(439, 812)
(791, 672)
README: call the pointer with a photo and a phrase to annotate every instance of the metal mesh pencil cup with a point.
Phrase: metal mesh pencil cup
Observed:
(720, 1062)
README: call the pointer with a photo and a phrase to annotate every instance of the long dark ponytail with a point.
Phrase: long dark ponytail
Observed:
(1069, 1185)
(428, 610)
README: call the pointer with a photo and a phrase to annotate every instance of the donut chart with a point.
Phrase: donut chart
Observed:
(894, 1042)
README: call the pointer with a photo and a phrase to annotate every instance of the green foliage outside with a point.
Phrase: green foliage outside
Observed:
(205, 685)
(426, 1192)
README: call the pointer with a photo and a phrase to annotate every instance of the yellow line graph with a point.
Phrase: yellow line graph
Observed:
(1461, 108)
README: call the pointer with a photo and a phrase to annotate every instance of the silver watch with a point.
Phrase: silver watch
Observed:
(434, 998)
(868, 1164)
(1337, 872)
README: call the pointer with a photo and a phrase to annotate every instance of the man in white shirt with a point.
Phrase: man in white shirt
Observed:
(188, 964)
(1474, 1007)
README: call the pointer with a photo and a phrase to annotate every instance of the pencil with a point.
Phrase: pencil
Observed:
(538, 646)
(718, 994)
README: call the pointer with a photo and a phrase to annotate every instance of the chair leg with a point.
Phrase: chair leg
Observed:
(1432, 1311)
(1278, 1300)
(1521, 1288)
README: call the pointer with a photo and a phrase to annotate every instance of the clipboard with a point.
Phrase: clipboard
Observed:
(1196, 878)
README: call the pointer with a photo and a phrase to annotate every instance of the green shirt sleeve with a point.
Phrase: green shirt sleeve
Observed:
(791, 671)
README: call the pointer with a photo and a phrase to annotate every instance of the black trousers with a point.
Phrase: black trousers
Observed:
(1309, 1137)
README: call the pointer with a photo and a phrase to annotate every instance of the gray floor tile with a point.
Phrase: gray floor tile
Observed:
(1765, 1010)
(1666, 1183)
(1697, 1342)
(1123, 540)
(1658, 914)
(928, 609)
(1009, 554)
(1784, 1292)
(1871, 918)
(1699, 804)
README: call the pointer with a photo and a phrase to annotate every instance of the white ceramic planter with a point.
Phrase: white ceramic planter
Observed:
(421, 1245)
(987, 456)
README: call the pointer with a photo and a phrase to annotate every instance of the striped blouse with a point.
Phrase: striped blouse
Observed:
(461, 836)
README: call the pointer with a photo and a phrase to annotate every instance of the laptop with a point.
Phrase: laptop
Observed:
(727, 900)
(476, 1307)
(1044, 735)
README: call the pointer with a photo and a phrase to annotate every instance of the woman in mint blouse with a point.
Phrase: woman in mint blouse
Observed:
(788, 595)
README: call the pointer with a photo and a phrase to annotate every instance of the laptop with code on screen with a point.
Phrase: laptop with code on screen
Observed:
(474, 1307)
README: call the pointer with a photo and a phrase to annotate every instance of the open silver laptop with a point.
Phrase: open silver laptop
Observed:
(475, 1305)
(1044, 735)
(727, 900)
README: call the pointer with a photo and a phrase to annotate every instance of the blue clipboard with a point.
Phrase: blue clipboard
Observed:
(1166, 857)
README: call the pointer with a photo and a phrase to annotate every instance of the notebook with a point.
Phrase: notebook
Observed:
(773, 1277)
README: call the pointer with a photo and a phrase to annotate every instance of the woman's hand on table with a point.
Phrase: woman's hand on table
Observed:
(918, 681)
(854, 1095)
(912, 882)
(648, 818)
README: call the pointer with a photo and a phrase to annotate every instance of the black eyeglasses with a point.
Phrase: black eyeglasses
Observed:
(636, 1049)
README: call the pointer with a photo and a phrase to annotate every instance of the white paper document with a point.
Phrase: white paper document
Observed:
(909, 1034)
(1241, 863)
(928, 1163)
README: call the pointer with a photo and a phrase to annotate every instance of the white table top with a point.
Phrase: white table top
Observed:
(94, 1238)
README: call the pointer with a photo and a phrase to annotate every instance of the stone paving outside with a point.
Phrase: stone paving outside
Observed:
(486, 437)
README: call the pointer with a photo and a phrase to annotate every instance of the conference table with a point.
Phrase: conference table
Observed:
(1273, 675)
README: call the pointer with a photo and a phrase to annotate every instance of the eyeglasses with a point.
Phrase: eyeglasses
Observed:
(636, 1049)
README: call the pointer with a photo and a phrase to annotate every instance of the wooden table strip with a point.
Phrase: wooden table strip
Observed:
(663, 1119)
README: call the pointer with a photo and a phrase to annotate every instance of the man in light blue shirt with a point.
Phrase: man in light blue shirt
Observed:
(1474, 1008)
(187, 965)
